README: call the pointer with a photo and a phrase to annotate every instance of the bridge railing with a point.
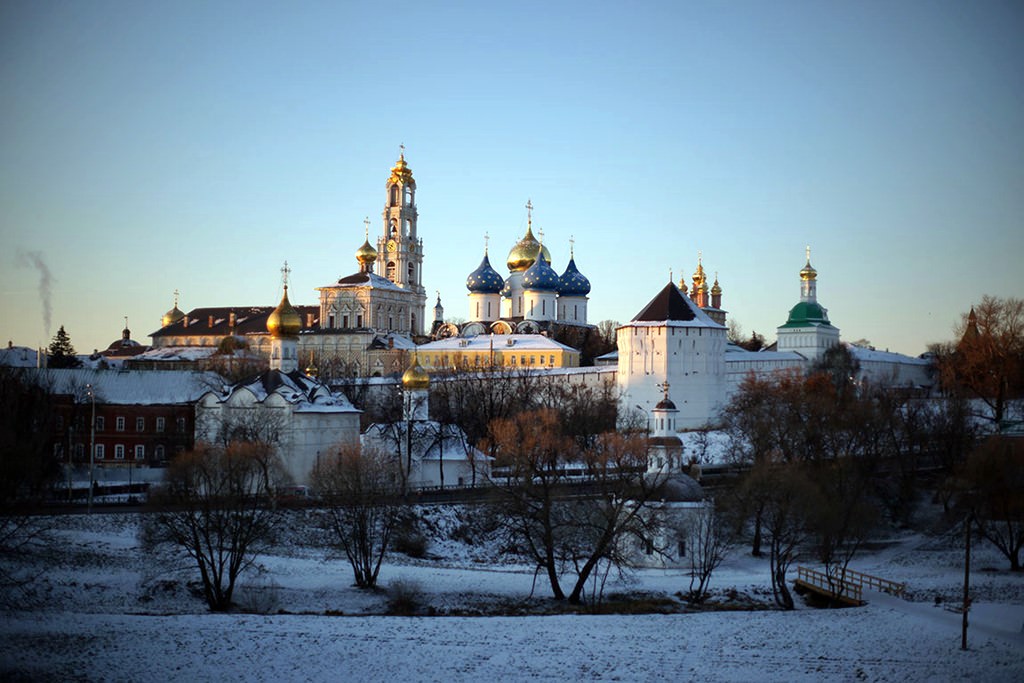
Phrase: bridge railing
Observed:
(836, 588)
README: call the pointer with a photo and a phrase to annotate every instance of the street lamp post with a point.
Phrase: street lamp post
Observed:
(92, 441)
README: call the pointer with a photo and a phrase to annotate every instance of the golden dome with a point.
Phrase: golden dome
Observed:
(682, 284)
(401, 173)
(172, 316)
(415, 377)
(366, 254)
(284, 321)
(524, 253)
(808, 272)
(716, 290)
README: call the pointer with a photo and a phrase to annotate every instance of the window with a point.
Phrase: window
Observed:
(120, 424)
(100, 451)
(101, 423)
(160, 424)
(79, 451)
(181, 425)
(140, 452)
(119, 451)
(552, 360)
(158, 452)
(140, 424)
(359, 321)
(682, 547)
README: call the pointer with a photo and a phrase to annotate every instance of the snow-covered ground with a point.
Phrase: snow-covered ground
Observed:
(103, 609)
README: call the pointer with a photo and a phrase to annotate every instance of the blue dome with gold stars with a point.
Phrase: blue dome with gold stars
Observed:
(572, 282)
(485, 279)
(540, 276)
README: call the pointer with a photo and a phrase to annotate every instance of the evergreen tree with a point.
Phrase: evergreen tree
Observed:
(61, 354)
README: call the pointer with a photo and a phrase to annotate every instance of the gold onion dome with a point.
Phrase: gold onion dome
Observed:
(415, 377)
(716, 289)
(524, 253)
(284, 321)
(808, 272)
(401, 173)
(366, 254)
(172, 316)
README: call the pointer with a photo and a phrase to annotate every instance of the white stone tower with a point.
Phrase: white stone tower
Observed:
(672, 341)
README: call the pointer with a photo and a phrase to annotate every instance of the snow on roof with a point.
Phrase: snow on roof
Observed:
(306, 393)
(131, 387)
(740, 355)
(18, 357)
(177, 353)
(483, 342)
(370, 280)
(871, 355)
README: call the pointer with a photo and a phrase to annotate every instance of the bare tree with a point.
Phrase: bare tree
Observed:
(563, 528)
(708, 540)
(787, 501)
(992, 486)
(216, 504)
(361, 497)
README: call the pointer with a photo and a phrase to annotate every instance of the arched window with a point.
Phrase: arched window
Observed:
(394, 195)
(390, 271)
(412, 271)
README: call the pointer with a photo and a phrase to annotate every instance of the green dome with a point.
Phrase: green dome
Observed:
(807, 313)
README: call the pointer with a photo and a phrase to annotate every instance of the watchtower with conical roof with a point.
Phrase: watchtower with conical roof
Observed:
(672, 341)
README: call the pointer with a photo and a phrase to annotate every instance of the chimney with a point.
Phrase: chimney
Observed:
(184, 321)
(231, 319)
(211, 321)
(309, 320)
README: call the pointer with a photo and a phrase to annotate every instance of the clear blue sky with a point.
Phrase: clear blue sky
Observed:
(153, 146)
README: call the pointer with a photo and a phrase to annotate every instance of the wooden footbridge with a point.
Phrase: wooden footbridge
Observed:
(848, 587)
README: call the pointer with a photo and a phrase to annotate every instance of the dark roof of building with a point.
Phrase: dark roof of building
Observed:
(668, 304)
(216, 321)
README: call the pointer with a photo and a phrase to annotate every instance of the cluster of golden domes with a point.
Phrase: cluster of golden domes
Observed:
(401, 173)
(284, 321)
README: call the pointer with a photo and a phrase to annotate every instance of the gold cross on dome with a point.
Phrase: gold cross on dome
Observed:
(401, 150)
(487, 241)
(572, 248)
(808, 253)
(285, 271)
(175, 298)
(529, 212)
(664, 388)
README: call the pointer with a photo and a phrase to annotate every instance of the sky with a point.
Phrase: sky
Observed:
(149, 147)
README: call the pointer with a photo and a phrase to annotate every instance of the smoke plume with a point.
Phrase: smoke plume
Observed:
(35, 260)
